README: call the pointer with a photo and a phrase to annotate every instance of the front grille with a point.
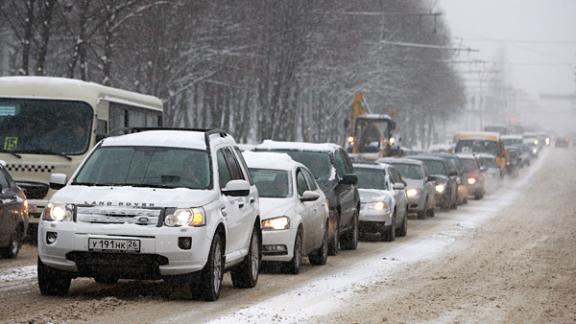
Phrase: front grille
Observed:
(34, 190)
(119, 215)
(118, 265)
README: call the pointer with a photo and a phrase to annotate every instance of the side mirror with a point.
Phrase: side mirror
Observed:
(3, 163)
(57, 181)
(453, 174)
(349, 179)
(398, 186)
(309, 196)
(431, 178)
(237, 188)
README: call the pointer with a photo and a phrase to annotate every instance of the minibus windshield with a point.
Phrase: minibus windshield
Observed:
(40, 126)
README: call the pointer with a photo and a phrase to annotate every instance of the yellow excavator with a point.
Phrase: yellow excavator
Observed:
(370, 136)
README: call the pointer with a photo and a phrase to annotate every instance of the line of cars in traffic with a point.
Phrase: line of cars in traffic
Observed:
(186, 206)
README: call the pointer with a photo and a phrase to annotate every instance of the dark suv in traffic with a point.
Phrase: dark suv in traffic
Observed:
(334, 173)
(13, 215)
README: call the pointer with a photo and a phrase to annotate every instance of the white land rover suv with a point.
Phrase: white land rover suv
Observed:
(177, 205)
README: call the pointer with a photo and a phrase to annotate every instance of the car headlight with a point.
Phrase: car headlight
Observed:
(176, 217)
(440, 188)
(58, 212)
(276, 223)
(471, 181)
(412, 193)
(378, 205)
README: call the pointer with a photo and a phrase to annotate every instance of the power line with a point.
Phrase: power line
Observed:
(429, 46)
(519, 41)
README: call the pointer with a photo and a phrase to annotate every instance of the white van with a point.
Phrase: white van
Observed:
(48, 125)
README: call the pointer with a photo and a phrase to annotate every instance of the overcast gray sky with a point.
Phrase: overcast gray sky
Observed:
(535, 67)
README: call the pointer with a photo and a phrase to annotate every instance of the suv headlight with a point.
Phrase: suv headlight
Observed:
(58, 212)
(276, 223)
(378, 205)
(412, 193)
(440, 188)
(176, 217)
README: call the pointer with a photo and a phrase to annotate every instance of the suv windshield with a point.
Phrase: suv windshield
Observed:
(488, 162)
(469, 164)
(435, 167)
(317, 162)
(146, 166)
(271, 183)
(369, 178)
(44, 126)
(409, 171)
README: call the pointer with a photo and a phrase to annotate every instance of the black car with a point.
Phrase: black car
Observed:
(446, 183)
(334, 173)
(13, 215)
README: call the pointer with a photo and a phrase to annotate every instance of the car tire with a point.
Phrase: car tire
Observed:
(293, 267)
(107, 280)
(350, 239)
(431, 212)
(334, 244)
(209, 285)
(320, 256)
(52, 282)
(11, 251)
(423, 213)
(246, 274)
(403, 230)
(389, 235)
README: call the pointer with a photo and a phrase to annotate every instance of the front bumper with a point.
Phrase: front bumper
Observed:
(278, 246)
(158, 247)
(375, 216)
(416, 203)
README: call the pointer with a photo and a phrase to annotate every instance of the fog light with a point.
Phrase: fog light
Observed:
(185, 243)
(274, 248)
(51, 237)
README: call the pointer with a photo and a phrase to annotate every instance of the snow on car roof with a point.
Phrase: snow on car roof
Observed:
(380, 166)
(161, 138)
(298, 146)
(392, 160)
(271, 161)
(511, 137)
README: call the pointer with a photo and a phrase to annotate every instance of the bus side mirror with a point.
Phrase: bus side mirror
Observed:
(57, 181)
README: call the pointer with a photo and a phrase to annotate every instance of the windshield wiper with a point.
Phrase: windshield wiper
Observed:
(42, 151)
(144, 185)
(12, 153)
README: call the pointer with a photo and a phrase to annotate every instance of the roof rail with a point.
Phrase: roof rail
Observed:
(132, 130)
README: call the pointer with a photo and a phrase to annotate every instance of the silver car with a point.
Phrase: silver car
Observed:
(384, 205)
(420, 187)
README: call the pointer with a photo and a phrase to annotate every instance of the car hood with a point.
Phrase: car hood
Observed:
(414, 183)
(369, 195)
(441, 178)
(272, 207)
(134, 197)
